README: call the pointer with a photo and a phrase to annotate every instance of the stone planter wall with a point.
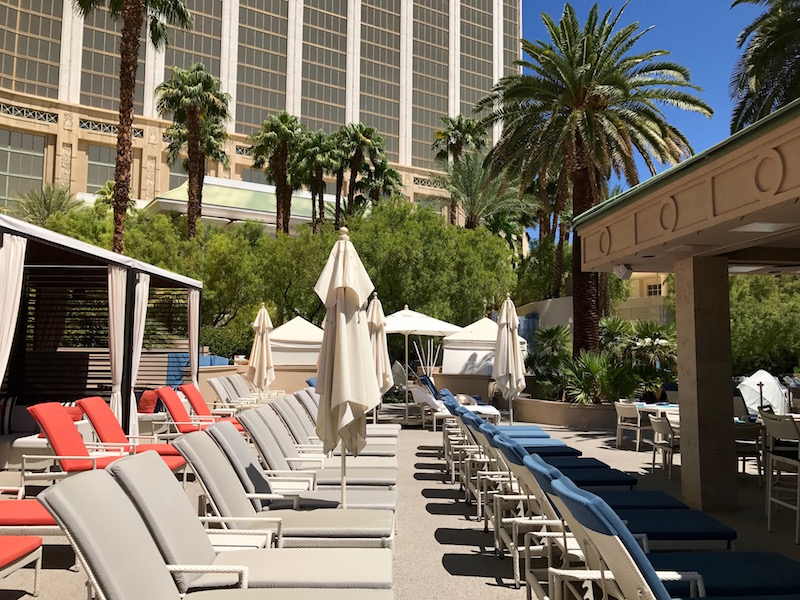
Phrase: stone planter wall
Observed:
(576, 416)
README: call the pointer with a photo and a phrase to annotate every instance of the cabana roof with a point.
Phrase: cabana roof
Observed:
(48, 248)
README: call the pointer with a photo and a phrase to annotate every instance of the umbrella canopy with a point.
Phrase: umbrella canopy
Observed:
(346, 379)
(410, 322)
(771, 392)
(380, 349)
(260, 369)
(509, 362)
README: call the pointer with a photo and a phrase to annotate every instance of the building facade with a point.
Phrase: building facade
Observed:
(397, 65)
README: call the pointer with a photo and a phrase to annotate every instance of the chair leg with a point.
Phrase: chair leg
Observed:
(619, 437)
(669, 458)
(37, 569)
(638, 439)
(654, 458)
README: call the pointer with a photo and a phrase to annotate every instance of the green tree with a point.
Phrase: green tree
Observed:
(361, 143)
(199, 111)
(275, 147)
(381, 181)
(585, 101)
(767, 75)
(37, 206)
(156, 15)
(479, 194)
(316, 159)
(459, 135)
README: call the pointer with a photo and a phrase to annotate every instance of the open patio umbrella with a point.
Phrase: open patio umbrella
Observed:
(762, 389)
(509, 363)
(346, 381)
(260, 369)
(409, 322)
(380, 349)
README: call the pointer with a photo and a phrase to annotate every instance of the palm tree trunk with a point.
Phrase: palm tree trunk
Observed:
(314, 208)
(584, 284)
(453, 210)
(283, 191)
(320, 184)
(196, 172)
(132, 20)
(339, 184)
(558, 264)
(355, 167)
(603, 295)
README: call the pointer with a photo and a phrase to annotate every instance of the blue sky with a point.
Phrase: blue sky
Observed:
(700, 34)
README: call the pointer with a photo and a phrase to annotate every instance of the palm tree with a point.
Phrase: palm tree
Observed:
(381, 181)
(460, 134)
(37, 206)
(767, 75)
(360, 142)
(135, 14)
(199, 110)
(276, 146)
(480, 195)
(586, 101)
(316, 159)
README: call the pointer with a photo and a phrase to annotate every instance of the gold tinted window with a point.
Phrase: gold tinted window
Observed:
(21, 164)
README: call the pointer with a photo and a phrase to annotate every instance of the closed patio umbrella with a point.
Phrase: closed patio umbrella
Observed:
(380, 349)
(509, 363)
(346, 381)
(260, 369)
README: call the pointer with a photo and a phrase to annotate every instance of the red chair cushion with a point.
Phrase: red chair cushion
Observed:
(148, 401)
(74, 412)
(195, 398)
(14, 547)
(176, 409)
(24, 512)
(161, 449)
(103, 420)
(62, 434)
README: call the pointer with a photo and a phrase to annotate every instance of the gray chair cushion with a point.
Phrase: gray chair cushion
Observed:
(264, 440)
(294, 594)
(166, 510)
(357, 476)
(307, 568)
(111, 535)
(335, 523)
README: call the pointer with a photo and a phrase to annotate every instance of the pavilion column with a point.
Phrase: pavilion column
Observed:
(708, 458)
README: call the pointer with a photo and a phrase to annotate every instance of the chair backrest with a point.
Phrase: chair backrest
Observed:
(290, 420)
(740, 408)
(610, 540)
(103, 420)
(515, 455)
(279, 431)
(428, 383)
(627, 412)
(220, 391)
(239, 384)
(176, 409)
(308, 424)
(308, 404)
(62, 434)
(232, 393)
(243, 459)
(195, 398)
(780, 427)
(167, 511)
(111, 539)
(264, 440)
(662, 427)
(217, 477)
(424, 397)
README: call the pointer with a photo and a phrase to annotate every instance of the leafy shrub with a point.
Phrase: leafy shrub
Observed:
(596, 377)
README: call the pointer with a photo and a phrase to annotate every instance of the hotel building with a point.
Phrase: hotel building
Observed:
(397, 65)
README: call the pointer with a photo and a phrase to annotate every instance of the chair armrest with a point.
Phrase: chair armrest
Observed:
(140, 438)
(239, 570)
(19, 492)
(121, 448)
(254, 519)
(307, 459)
(220, 412)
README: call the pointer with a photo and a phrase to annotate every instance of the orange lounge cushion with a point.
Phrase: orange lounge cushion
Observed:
(161, 449)
(75, 413)
(14, 547)
(24, 512)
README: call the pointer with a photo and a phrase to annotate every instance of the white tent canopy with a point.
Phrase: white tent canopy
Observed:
(471, 351)
(771, 392)
(296, 342)
(409, 322)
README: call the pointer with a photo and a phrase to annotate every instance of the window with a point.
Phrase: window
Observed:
(653, 289)
(101, 167)
(21, 164)
(176, 174)
(254, 176)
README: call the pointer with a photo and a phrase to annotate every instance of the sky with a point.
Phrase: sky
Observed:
(699, 34)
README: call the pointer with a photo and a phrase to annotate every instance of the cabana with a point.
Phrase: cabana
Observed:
(471, 351)
(73, 319)
(730, 209)
(296, 342)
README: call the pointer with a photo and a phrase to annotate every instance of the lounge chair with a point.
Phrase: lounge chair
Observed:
(312, 456)
(279, 463)
(621, 567)
(102, 535)
(19, 551)
(201, 409)
(309, 398)
(110, 432)
(256, 480)
(300, 528)
(226, 400)
(181, 420)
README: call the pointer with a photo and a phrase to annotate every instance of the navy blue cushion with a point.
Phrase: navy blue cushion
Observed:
(312, 382)
(599, 477)
(526, 433)
(619, 499)
(688, 525)
(513, 452)
(571, 462)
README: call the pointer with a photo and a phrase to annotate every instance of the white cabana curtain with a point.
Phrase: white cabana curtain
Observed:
(139, 317)
(117, 286)
(194, 333)
(12, 265)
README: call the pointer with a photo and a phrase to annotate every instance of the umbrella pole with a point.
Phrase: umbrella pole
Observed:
(406, 336)
(511, 409)
(344, 477)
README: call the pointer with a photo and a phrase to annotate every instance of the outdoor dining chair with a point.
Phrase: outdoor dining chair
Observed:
(782, 455)
(101, 536)
(629, 418)
(665, 440)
